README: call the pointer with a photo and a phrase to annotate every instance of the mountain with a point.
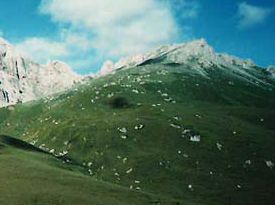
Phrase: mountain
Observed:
(184, 125)
(22, 80)
(198, 55)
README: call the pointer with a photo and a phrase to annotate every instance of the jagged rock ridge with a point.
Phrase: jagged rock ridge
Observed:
(197, 55)
(22, 80)
(179, 53)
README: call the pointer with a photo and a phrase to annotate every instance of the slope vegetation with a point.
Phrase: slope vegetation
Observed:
(30, 177)
(162, 129)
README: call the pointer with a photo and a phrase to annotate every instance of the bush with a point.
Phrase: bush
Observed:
(119, 102)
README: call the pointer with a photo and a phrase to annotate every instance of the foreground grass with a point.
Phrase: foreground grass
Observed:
(35, 178)
(144, 144)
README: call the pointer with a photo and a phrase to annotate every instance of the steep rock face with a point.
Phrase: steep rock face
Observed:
(22, 80)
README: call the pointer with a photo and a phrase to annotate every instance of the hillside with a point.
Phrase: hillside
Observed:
(31, 177)
(197, 133)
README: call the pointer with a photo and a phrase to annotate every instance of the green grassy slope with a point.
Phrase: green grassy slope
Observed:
(30, 177)
(133, 129)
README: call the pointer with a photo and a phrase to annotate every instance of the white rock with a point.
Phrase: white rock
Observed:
(124, 160)
(123, 137)
(139, 127)
(90, 171)
(248, 162)
(129, 171)
(197, 116)
(219, 146)
(176, 118)
(122, 130)
(195, 138)
(269, 163)
(175, 126)
(110, 95)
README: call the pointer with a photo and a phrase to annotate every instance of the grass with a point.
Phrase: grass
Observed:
(30, 177)
(164, 101)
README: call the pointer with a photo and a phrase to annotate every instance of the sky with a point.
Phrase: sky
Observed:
(85, 33)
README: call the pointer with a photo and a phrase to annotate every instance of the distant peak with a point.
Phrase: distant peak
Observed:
(178, 53)
(191, 47)
(57, 62)
(58, 65)
(199, 43)
(197, 54)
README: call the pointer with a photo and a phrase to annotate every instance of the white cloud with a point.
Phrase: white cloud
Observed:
(94, 30)
(251, 15)
(43, 49)
(185, 9)
(120, 27)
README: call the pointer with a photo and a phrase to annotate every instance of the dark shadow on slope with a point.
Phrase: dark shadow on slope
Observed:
(152, 61)
(119, 103)
(19, 144)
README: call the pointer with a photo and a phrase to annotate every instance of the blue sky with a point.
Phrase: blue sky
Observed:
(85, 33)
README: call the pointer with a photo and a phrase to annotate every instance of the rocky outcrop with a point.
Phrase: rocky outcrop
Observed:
(271, 70)
(22, 80)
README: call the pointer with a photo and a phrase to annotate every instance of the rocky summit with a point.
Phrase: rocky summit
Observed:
(23, 80)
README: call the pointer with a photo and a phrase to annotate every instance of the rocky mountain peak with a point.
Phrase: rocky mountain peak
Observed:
(197, 54)
(23, 80)
(177, 53)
